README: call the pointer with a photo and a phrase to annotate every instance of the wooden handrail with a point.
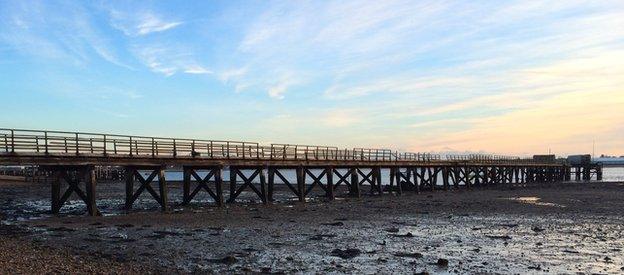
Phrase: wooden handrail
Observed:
(55, 142)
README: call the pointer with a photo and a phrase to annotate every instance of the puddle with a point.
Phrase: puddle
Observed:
(535, 201)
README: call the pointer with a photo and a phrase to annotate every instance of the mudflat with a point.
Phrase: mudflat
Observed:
(563, 227)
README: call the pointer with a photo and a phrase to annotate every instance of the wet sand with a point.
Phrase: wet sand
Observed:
(559, 228)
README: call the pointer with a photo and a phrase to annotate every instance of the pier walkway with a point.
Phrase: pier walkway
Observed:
(72, 158)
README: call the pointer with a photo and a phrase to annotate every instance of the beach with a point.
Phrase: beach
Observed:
(553, 228)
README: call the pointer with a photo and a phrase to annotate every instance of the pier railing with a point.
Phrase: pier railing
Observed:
(60, 143)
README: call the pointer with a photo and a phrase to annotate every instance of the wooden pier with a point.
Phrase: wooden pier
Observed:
(74, 160)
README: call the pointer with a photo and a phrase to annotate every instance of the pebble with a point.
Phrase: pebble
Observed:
(442, 262)
(346, 253)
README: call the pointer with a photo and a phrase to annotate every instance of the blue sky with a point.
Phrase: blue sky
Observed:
(508, 77)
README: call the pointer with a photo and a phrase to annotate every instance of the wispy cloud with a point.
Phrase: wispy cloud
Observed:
(196, 69)
(169, 59)
(140, 23)
(42, 30)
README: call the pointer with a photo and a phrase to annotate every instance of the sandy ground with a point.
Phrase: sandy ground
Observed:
(558, 228)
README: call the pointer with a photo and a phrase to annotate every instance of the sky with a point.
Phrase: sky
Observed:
(504, 77)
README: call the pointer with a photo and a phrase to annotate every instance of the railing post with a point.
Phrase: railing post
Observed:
(12, 141)
(193, 149)
(227, 148)
(258, 151)
(153, 151)
(243, 150)
(45, 136)
(130, 146)
(6, 143)
(77, 149)
(115, 146)
(104, 148)
(175, 150)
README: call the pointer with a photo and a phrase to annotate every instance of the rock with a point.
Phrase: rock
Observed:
(392, 230)
(334, 224)
(537, 229)
(442, 262)
(415, 255)
(607, 259)
(422, 273)
(265, 270)
(229, 259)
(320, 237)
(406, 235)
(348, 253)
(496, 237)
(509, 225)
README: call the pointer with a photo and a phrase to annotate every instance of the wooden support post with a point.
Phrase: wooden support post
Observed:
(392, 177)
(486, 175)
(329, 172)
(433, 177)
(355, 183)
(586, 173)
(301, 183)
(445, 178)
(376, 180)
(398, 180)
(467, 177)
(219, 185)
(456, 176)
(397, 176)
(233, 171)
(129, 178)
(599, 173)
(56, 192)
(477, 176)
(416, 176)
(90, 183)
(263, 187)
(271, 171)
(162, 186)
(186, 185)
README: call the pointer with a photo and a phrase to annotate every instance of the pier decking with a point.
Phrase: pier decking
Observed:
(72, 158)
